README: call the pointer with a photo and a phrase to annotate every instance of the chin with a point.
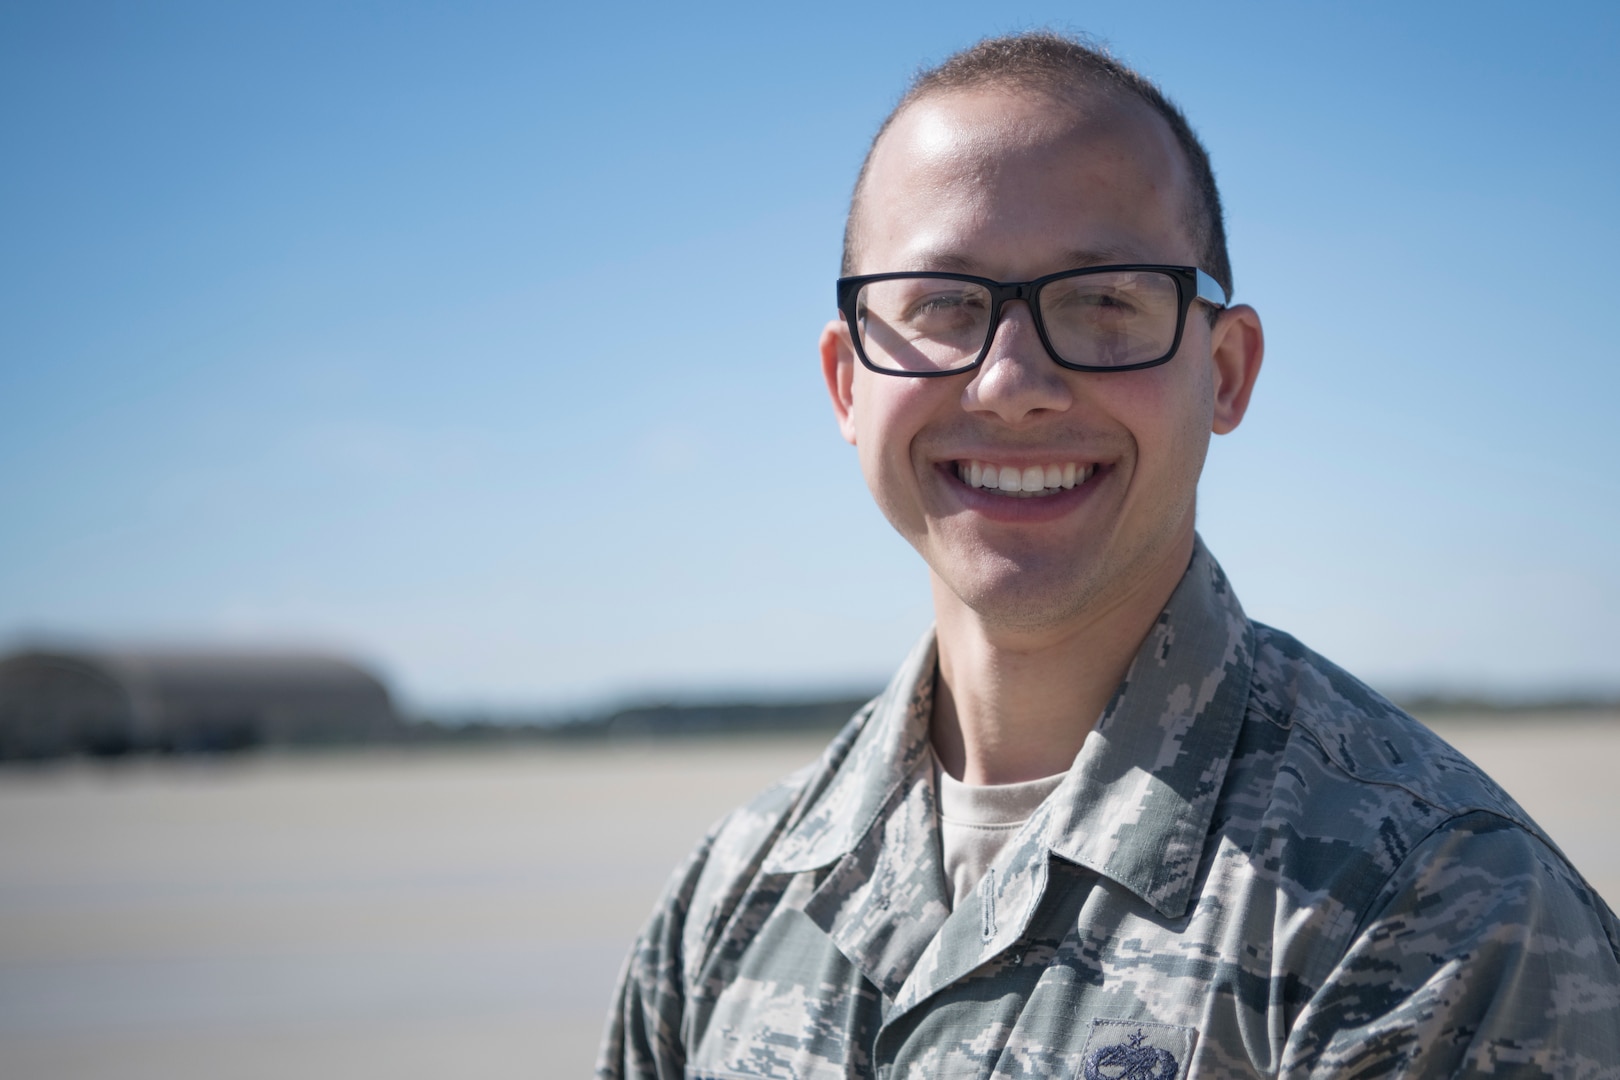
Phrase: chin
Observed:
(1026, 601)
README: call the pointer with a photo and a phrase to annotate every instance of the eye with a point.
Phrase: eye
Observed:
(1090, 301)
(944, 303)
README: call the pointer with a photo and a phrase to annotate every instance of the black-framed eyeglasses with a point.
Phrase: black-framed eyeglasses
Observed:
(1099, 318)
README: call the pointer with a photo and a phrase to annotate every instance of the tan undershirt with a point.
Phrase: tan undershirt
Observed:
(976, 822)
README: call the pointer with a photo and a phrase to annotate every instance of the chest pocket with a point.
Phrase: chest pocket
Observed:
(1136, 1050)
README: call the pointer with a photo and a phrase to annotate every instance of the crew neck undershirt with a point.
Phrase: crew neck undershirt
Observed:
(976, 821)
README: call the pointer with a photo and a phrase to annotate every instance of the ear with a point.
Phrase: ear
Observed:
(838, 368)
(1237, 345)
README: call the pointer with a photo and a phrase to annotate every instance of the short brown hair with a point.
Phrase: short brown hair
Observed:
(1048, 62)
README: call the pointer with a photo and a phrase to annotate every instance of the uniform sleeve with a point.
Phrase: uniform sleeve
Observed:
(1485, 955)
(643, 1038)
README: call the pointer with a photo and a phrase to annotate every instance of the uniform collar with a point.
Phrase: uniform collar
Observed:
(889, 750)
(876, 825)
(1135, 807)
(1137, 802)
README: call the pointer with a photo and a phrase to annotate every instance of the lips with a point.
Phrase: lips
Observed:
(1023, 482)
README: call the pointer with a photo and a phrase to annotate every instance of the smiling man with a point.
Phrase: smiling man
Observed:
(1100, 823)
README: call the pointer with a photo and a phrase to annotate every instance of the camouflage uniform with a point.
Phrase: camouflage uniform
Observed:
(1255, 867)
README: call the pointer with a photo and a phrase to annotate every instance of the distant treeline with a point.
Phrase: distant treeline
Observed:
(642, 721)
(1594, 705)
(57, 703)
(114, 703)
(807, 716)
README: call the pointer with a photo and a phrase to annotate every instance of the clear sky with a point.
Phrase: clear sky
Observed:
(480, 338)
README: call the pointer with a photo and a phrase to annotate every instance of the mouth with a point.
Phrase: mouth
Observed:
(1023, 482)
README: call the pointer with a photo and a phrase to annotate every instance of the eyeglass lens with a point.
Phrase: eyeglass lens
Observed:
(1111, 319)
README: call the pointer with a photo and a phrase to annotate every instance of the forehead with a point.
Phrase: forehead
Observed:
(1002, 176)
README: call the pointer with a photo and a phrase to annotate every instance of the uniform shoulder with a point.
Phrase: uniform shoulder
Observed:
(1484, 950)
(700, 897)
(748, 831)
(1365, 736)
(731, 856)
(1352, 800)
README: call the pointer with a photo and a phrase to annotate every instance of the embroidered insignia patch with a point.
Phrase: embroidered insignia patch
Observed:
(1136, 1050)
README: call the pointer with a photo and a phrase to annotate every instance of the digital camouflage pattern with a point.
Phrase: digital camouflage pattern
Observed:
(1255, 867)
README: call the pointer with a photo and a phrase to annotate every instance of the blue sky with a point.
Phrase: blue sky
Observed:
(479, 338)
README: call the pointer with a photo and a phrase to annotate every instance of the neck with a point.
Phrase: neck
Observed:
(1013, 704)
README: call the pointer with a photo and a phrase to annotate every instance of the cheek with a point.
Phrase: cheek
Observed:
(1188, 417)
(1169, 415)
(872, 466)
(889, 415)
(893, 487)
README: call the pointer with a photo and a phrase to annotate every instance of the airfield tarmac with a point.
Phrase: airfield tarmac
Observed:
(432, 913)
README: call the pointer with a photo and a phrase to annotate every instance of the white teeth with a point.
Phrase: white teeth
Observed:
(1032, 482)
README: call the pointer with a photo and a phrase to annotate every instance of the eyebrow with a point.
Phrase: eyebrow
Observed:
(1100, 256)
(1073, 259)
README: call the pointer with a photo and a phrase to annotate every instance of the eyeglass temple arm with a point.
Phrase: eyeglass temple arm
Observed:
(1210, 291)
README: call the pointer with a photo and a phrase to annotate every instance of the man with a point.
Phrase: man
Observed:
(1100, 823)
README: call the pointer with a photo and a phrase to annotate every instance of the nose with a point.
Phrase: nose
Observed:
(1017, 380)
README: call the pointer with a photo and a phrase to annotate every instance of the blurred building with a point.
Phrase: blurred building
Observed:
(108, 702)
